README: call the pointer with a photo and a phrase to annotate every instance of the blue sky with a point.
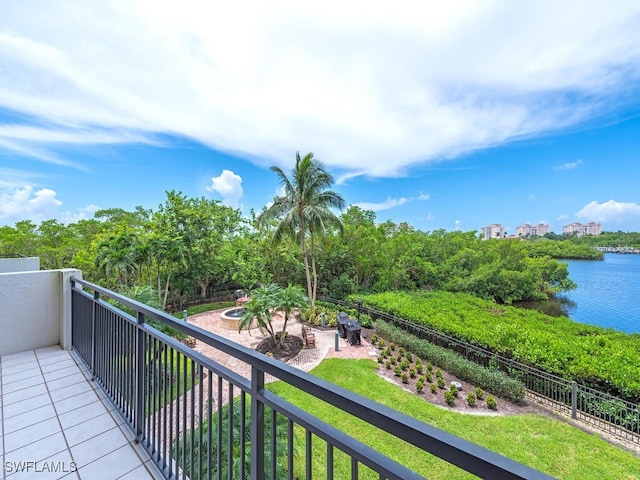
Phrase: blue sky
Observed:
(448, 116)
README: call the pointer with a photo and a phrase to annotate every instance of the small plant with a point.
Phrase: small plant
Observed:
(405, 377)
(454, 390)
(381, 343)
(438, 373)
(441, 383)
(419, 387)
(471, 399)
(491, 402)
(374, 338)
(433, 387)
(380, 359)
(479, 393)
(409, 356)
(412, 372)
(388, 364)
(419, 368)
(397, 371)
(449, 397)
(423, 379)
(392, 346)
(393, 360)
(404, 365)
(429, 367)
(401, 350)
(400, 358)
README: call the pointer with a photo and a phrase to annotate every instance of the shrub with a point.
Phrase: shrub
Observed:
(409, 356)
(404, 365)
(397, 371)
(419, 368)
(429, 367)
(433, 387)
(393, 360)
(412, 372)
(419, 387)
(388, 364)
(491, 402)
(496, 382)
(392, 346)
(449, 397)
(471, 399)
(441, 383)
(401, 350)
(454, 390)
(380, 359)
(374, 338)
(438, 373)
(405, 377)
(479, 393)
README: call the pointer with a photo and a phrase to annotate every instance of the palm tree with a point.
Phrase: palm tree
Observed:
(265, 302)
(304, 208)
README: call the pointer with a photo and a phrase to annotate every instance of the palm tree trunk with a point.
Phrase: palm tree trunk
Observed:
(313, 267)
(305, 257)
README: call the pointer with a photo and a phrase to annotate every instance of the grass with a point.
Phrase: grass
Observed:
(544, 443)
(205, 307)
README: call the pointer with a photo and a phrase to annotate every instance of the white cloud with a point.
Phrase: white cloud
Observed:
(229, 186)
(370, 89)
(458, 225)
(80, 214)
(569, 166)
(18, 204)
(612, 213)
(389, 203)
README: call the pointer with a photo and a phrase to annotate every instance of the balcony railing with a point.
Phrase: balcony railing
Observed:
(198, 419)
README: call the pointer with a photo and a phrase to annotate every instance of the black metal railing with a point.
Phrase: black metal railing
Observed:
(614, 415)
(198, 419)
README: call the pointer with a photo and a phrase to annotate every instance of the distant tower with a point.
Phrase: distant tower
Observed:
(494, 230)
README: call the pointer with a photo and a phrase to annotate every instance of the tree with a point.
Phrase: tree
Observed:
(305, 207)
(265, 302)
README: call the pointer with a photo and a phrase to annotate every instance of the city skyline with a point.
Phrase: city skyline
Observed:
(447, 117)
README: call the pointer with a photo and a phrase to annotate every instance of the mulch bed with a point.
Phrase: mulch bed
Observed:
(289, 348)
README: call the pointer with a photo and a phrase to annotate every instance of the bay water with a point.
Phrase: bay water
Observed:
(608, 293)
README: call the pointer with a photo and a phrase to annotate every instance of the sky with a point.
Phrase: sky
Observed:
(445, 115)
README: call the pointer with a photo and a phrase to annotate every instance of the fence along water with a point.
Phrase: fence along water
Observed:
(614, 415)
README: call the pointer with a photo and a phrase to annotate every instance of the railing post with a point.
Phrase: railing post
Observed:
(94, 312)
(257, 425)
(140, 378)
(574, 399)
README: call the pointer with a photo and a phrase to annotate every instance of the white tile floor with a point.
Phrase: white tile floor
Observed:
(55, 424)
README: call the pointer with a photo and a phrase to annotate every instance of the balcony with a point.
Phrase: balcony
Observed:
(86, 385)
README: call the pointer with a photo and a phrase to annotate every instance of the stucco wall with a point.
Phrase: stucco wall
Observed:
(35, 309)
(28, 264)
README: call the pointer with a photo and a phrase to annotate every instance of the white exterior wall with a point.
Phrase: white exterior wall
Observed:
(25, 264)
(35, 309)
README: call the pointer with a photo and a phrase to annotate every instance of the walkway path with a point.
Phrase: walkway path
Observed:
(306, 360)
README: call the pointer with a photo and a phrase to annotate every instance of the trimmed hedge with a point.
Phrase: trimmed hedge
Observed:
(601, 358)
(493, 381)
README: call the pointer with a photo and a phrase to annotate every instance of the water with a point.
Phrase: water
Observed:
(607, 293)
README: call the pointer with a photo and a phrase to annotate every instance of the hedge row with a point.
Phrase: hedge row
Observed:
(492, 381)
(604, 359)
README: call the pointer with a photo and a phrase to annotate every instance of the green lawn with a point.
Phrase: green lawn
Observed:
(541, 442)
(205, 307)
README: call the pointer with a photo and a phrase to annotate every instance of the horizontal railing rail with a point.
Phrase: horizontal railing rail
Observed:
(199, 419)
(604, 411)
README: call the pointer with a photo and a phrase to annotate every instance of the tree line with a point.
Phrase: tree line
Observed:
(189, 248)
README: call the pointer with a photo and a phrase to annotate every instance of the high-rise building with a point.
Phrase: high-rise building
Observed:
(580, 229)
(494, 230)
(527, 230)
